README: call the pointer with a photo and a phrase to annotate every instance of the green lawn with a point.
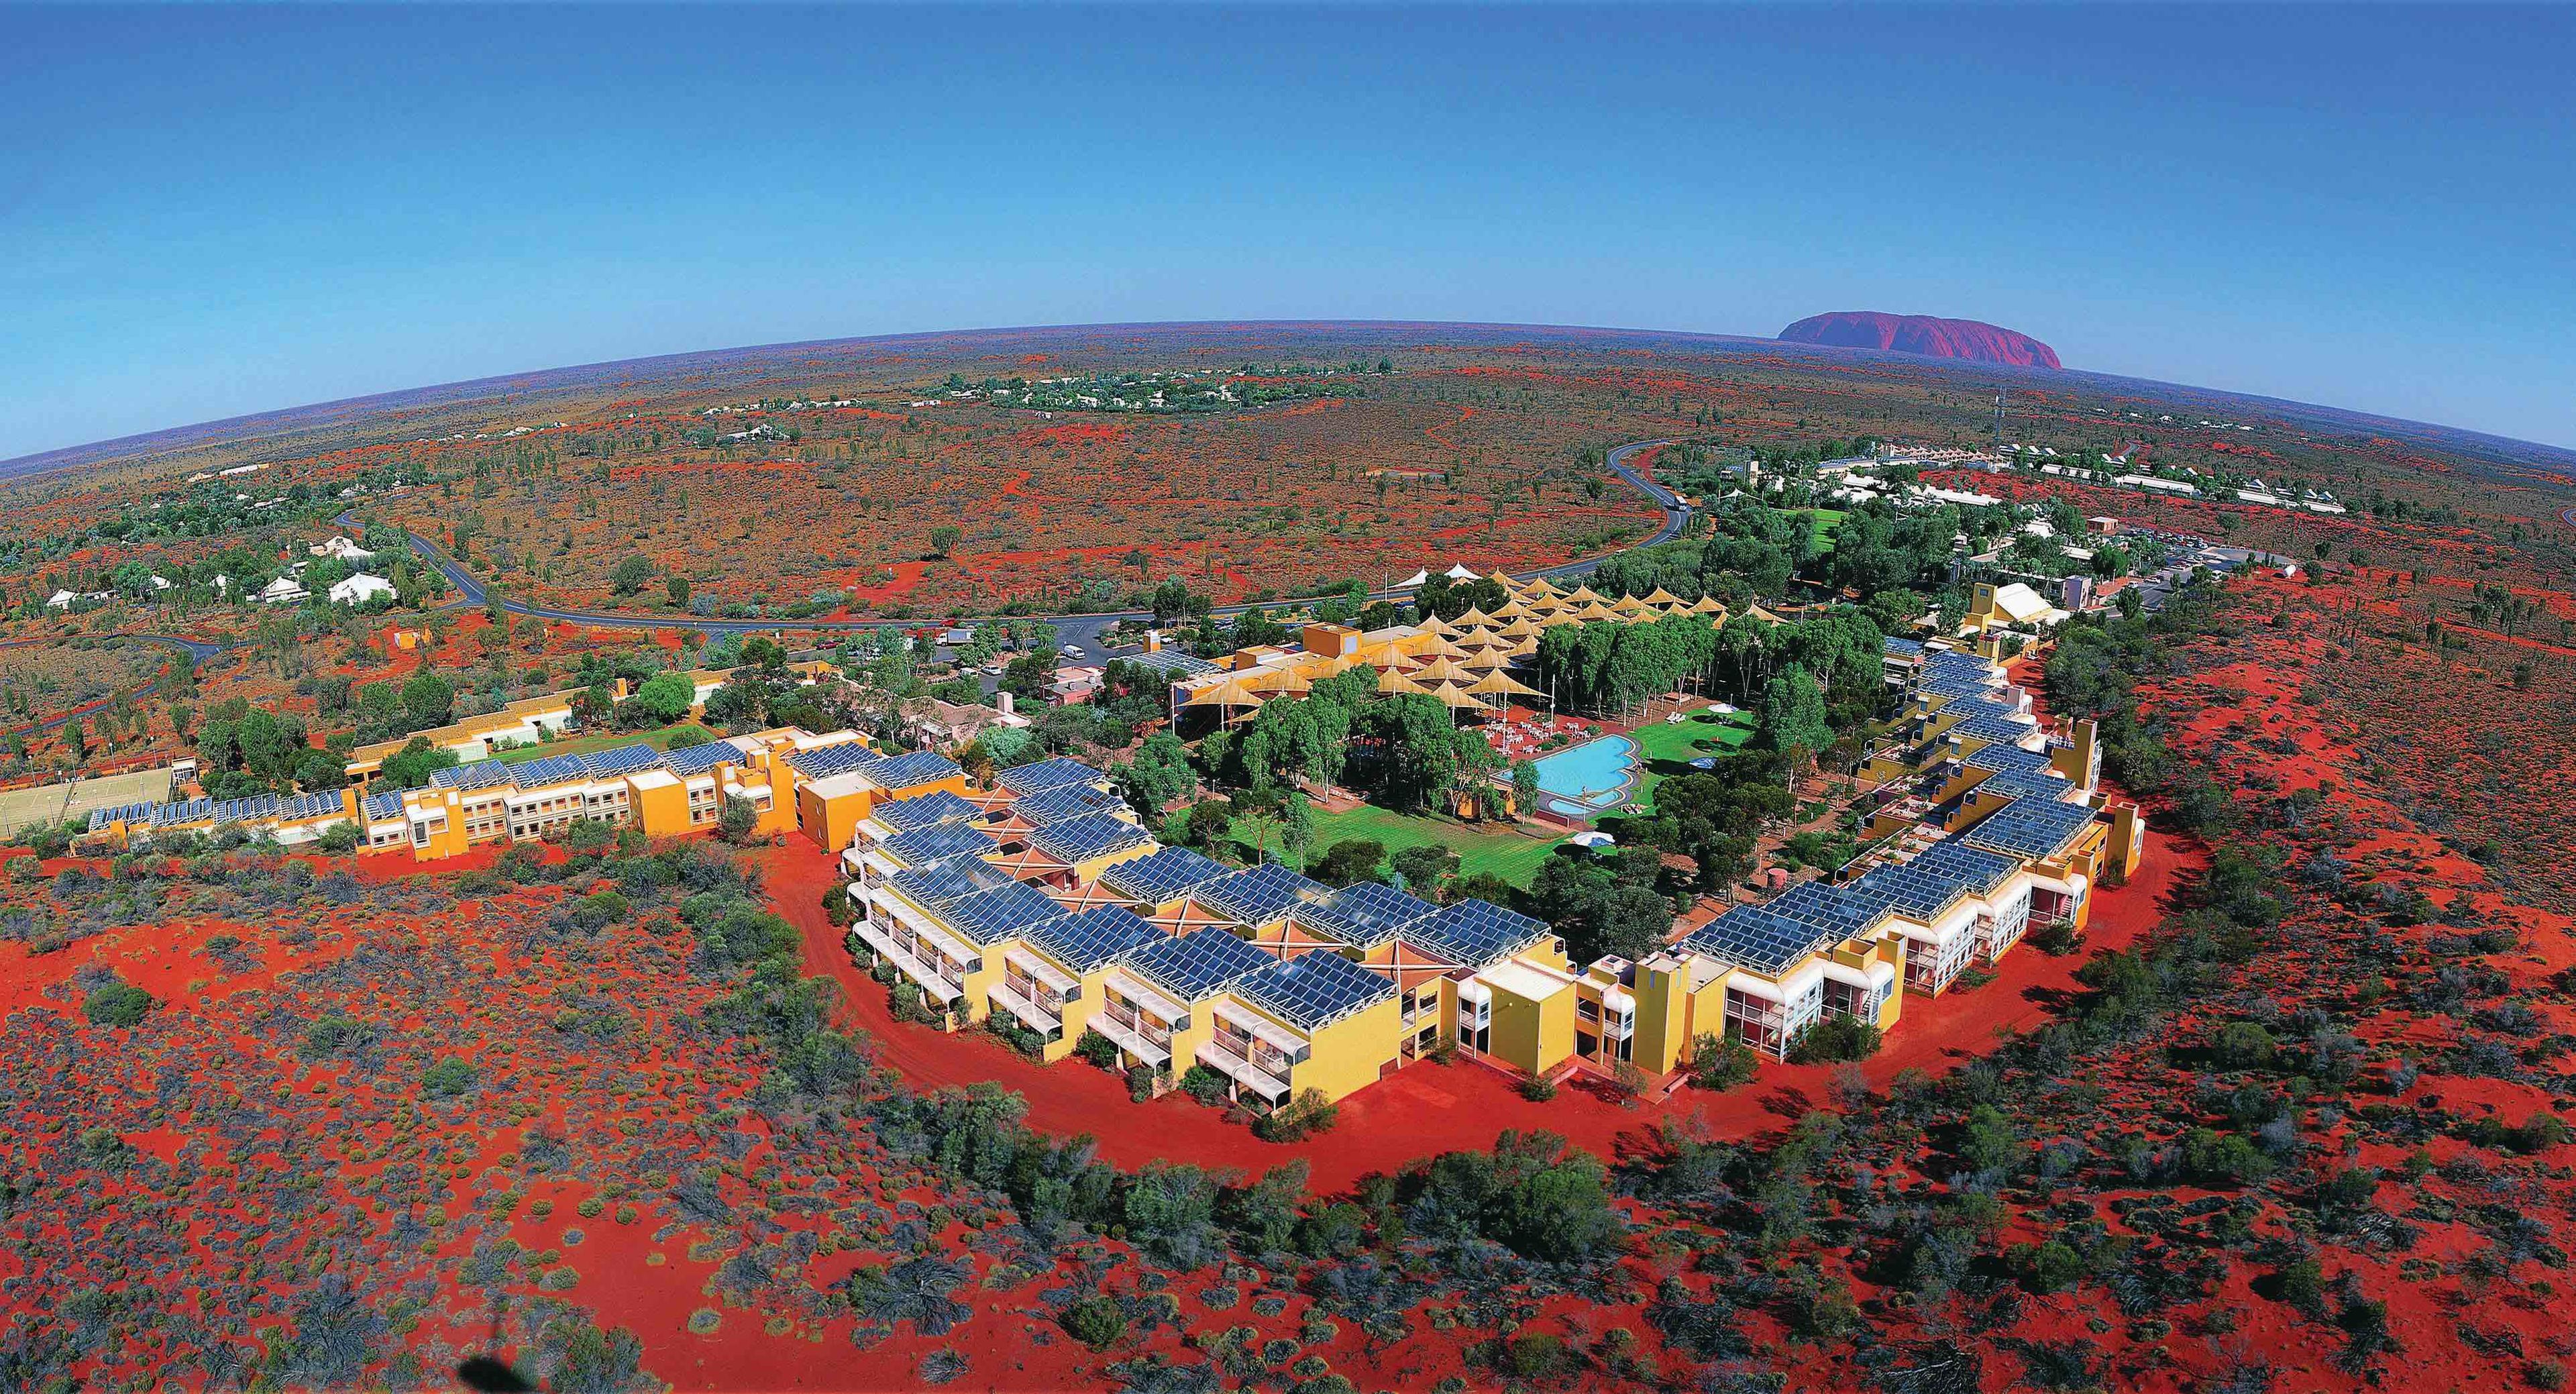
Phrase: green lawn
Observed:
(583, 745)
(1667, 748)
(1825, 519)
(1509, 855)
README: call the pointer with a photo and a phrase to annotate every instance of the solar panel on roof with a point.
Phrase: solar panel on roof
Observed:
(1087, 939)
(1363, 914)
(482, 774)
(1900, 647)
(385, 805)
(2018, 784)
(1750, 936)
(925, 810)
(1313, 990)
(1162, 877)
(990, 916)
(698, 759)
(935, 843)
(1256, 895)
(1196, 965)
(1476, 933)
(1837, 910)
(2035, 828)
(1062, 802)
(312, 805)
(1053, 772)
(823, 762)
(1170, 661)
(1981, 871)
(2001, 756)
(938, 883)
(617, 760)
(552, 769)
(1092, 835)
(908, 771)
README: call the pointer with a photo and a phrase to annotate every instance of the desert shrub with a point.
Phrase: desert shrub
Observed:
(1095, 1321)
(1140, 1083)
(1721, 1063)
(1205, 1085)
(1097, 1049)
(339, 839)
(1531, 1193)
(117, 1003)
(1835, 1039)
(2217, 1158)
(921, 1291)
(2243, 1045)
(1538, 1089)
(448, 1078)
(1307, 1114)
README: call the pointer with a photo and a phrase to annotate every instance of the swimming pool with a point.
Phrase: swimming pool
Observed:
(1589, 779)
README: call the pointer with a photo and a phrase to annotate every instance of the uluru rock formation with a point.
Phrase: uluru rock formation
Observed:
(1923, 334)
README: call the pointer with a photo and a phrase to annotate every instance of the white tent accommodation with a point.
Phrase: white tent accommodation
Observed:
(361, 588)
(343, 548)
(1417, 578)
(1460, 572)
(285, 590)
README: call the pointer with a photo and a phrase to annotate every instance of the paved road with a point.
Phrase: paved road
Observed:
(1082, 631)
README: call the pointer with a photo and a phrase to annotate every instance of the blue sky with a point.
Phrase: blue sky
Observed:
(206, 211)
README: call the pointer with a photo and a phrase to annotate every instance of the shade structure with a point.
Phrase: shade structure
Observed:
(1520, 627)
(1511, 608)
(1472, 618)
(1280, 682)
(1392, 681)
(1457, 699)
(1500, 656)
(1663, 599)
(1230, 693)
(1433, 624)
(1507, 583)
(1631, 605)
(1596, 613)
(1500, 683)
(1460, 572)
(1707, 605)
(1537, 588)
(1441, 670)
(1583, 595)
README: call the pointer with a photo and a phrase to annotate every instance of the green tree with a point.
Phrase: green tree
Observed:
(631, 574)
(944, 539)
(666, 697)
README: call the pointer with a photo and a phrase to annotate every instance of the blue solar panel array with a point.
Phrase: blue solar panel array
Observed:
(698, 759)
(909, 771)
(1981, 871)
(1476, 933)
(1362, 915)
(1077, 840)
(1163, 877)
(385, 805)
(823, 762)
(1062, 802)
(1257, 895)
(622, 759)
(1084, 941)
(1843, 912)
(988, 917)
(1197, 965)
(1750, 936)
(925, 810)
(1054, 772)
(2035, 828)
(2021, 784)
(938, 842)
(939, 883)
(2008, 757)
(482, 774)
(288, 808)
(1314, 990)
(552, 769)
(1895, 647)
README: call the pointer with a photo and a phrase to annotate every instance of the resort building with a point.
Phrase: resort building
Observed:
(662, 793)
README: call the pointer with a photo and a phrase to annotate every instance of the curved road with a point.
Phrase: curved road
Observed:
(1078, 630)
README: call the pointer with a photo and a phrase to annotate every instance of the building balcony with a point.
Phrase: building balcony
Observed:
(1130, 1040)
(1243, 1072)
(913, 966)
(1029, 1013)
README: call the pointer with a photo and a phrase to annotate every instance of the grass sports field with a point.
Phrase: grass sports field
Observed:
(1510, 855)
(1667, 748)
